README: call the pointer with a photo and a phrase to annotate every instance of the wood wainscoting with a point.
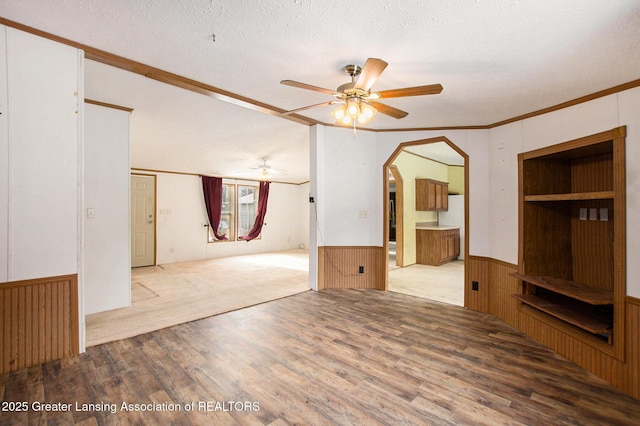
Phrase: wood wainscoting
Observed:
(39, 321)
(495, 287)
(632, 328)
(339, 267)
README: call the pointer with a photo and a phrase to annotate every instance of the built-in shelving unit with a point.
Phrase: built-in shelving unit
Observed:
(572, 238)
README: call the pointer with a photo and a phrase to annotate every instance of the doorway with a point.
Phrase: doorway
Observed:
(143, 227)
(411, 161)
(395, 191)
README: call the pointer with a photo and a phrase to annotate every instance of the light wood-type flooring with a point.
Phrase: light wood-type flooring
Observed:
(186, 291)
(335, 357)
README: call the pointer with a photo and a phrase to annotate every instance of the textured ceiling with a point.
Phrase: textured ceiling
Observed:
(496, 59)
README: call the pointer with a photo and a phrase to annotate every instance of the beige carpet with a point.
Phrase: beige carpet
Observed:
(176, 293)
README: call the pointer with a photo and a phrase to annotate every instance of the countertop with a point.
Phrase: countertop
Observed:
(435, 227)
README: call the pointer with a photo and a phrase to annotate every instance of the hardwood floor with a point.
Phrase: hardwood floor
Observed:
(358, 357)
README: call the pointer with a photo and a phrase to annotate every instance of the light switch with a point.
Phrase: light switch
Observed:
(91, 213)
(583, 214)
(604, 214)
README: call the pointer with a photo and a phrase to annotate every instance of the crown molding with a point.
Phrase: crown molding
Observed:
(239, 100)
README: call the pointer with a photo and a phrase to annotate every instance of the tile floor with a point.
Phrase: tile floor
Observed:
(444, 283)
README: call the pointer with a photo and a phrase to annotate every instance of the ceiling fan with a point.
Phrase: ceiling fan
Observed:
(264, 170)
(356, 100)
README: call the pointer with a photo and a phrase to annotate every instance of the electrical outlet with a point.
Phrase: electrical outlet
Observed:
(361, 269)
(474, 285)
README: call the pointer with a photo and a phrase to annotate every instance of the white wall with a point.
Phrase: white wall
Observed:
(629, 114)
(504, 146)
(350, 178)
(181, 213)
(41, 142)
(347, 176)
(351, 196)
(107, 257)
(570, 123)
(4, 159)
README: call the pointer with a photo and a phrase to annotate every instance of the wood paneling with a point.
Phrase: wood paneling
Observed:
(596, 356)
(495, 287)
(592, 259)
(502, 286)
(632, 370)
(494, 297)
(477, 269)
(338, 267)
(39, 321)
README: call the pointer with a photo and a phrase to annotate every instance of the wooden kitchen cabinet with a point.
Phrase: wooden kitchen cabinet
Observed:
(432, 195)
(437, 245)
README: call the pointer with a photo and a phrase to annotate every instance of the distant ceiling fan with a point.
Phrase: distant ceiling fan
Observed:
(264, 170)
(357, 102)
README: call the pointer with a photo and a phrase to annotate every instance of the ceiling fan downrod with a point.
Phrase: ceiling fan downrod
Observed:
(353, 71)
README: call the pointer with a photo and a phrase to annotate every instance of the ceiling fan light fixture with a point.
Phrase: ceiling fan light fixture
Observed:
(355, 96)
(353, 109)
(264, 173)
(367, 113)
(339, 113)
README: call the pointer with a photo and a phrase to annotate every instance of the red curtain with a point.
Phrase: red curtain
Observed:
(212, 188)
(262, 212)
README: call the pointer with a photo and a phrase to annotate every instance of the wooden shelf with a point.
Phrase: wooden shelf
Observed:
(573, 270)
(572, 314)
(578, 291)
(596, 195)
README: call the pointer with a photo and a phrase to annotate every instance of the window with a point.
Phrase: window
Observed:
(247, 206)
(239, 207)
(227, 217)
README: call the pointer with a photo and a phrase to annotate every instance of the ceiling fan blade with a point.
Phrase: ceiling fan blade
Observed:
(390, 111)
(271, 169)
(431, 89)
(370, 73)
(306, 86)
(293, 111)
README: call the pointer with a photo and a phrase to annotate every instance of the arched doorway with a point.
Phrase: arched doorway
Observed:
(438, 149)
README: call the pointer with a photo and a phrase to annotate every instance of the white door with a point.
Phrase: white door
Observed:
(143, 228)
